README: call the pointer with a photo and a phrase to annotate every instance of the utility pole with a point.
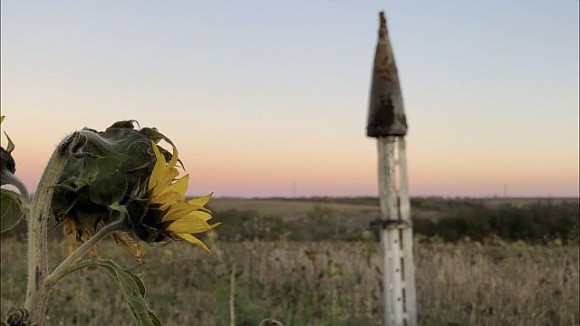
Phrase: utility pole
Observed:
(387, 123)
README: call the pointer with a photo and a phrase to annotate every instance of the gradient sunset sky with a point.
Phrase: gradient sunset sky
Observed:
(270, 98)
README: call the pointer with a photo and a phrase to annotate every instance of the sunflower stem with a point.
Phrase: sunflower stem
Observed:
(53, 279)
(40, 210)
(63, 268)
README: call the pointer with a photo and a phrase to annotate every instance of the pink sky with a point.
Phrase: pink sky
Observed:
(263, 104)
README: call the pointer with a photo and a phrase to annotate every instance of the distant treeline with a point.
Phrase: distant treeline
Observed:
(535, 222)
(539, 222)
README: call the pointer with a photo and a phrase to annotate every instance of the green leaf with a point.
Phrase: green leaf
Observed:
(11, 209)
(131, 287)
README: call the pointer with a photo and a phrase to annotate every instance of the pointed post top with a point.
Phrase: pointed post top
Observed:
(386, 115)
(383, 26)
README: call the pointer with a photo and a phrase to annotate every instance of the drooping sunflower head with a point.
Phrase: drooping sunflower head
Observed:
(121, 173)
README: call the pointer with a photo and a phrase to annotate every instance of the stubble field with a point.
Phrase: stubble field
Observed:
(330, 282)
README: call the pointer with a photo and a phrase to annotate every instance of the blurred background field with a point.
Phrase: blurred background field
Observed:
(533, 220)
(314, 261)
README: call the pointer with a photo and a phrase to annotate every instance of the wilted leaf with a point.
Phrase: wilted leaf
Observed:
(126, 242)
(69, 231)
(11, 209)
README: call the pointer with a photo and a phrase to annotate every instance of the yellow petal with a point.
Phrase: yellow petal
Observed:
(205, 215)
(180, 186)
(188, 224)
(199, 208)
(191, 239)
(167, 200)
(177, 213)
(173, 160)
(200, 201)
(158, 168)
(166, 178)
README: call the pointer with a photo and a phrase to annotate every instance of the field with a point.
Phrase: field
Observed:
(331, 281)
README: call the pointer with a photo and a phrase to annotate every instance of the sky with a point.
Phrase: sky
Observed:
(270, 98)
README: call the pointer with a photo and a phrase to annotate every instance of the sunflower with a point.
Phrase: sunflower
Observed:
(179, 216)
(122, 175)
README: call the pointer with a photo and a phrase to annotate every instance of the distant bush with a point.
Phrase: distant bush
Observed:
(539, 222)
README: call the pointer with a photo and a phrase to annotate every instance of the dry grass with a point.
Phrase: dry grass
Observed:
(498, 285)
(327, 283)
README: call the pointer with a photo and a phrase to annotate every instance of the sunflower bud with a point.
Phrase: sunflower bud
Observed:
(6, 162)
(8, 166)
(13, 205)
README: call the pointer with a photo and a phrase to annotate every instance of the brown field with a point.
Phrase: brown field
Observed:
(422, 208)
(290, 208)
(323, 283)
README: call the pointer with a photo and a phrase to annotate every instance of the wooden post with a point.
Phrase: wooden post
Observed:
(396, 233)
(387, 122)
(407, 236)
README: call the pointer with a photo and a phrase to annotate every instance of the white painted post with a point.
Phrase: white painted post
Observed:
(387, 122)
(399, 303)
(392, 289)
(407, 236)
